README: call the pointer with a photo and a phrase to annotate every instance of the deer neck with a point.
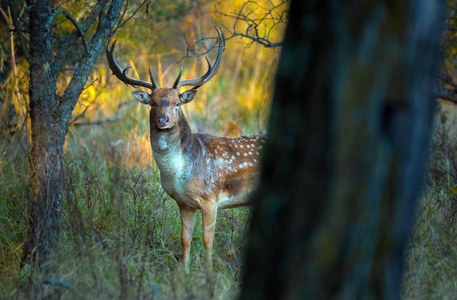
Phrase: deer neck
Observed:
(171, 147)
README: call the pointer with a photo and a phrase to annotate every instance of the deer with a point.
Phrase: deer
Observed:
(198, 171)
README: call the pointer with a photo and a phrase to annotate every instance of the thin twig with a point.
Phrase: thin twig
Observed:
(103, 121)
(274, 14)
(123, 13)
(133, 14)
(190, 48)
(79, 116)
(99, 122)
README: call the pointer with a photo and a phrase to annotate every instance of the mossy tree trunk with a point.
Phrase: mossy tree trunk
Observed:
(344, 162)
(50, 111)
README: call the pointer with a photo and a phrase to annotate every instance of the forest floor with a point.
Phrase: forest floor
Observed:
(120, 235)
(431, 271)
(120, 232)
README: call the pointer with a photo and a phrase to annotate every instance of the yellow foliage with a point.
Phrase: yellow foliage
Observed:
(235, 102)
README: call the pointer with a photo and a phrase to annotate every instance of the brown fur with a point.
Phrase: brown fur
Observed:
(199, 171)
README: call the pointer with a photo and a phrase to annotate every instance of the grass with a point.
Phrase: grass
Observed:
(431, 271)
(120, 238)
(120, 233)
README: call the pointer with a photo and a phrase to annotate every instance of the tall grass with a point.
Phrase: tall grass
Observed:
(120, 233)
(120, 237)
(431, 268)
(13, 197)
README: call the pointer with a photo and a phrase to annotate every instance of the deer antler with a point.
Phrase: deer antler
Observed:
(196, 83)
(212, 70)
(121, 73)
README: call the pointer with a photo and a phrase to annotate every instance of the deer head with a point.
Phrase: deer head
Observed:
(165, 102)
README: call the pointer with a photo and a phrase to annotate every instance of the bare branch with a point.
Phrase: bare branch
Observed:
(84, 26)
(14, 15)
(117, 117)
(191, 49)
(133, 14)
(99, 122)
(253, 17)
(80, 115)
(53, 16)
(83, 70)
(81, 32)
(70, 17)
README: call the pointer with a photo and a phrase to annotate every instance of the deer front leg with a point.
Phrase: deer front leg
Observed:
(187, 227)
(209, 214)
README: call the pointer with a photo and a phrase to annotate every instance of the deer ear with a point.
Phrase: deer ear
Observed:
(142, 97)
(187, 96)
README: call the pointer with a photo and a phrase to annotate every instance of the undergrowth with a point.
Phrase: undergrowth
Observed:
(120, 233)
(120, 237)
(431, 268)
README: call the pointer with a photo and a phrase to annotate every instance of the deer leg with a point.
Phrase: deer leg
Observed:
(209, 214)
(187, 227)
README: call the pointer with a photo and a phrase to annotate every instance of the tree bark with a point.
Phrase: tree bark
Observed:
(45, 162)
(50, 114)
(343, 165)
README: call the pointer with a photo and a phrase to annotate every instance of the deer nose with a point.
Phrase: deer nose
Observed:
(163, 120)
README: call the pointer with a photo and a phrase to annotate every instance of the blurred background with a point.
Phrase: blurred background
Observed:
(164, 35)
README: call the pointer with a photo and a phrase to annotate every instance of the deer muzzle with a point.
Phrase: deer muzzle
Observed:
(163, 121)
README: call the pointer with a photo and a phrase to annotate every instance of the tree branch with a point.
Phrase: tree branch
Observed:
(67, 42)
(70, 17)
(82, 72)
(117, 117)
(81, 32)
(80, 115)
(269, 16)
(14, 16)
(122, 17)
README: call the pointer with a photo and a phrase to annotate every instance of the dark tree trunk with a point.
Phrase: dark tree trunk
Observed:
(344, 162)
(50, 115)
(47, 134)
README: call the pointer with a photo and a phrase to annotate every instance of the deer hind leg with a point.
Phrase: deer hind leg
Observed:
(187, 227)
(209, 214)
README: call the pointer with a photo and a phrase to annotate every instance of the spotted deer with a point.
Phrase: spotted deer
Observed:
(199, 171)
